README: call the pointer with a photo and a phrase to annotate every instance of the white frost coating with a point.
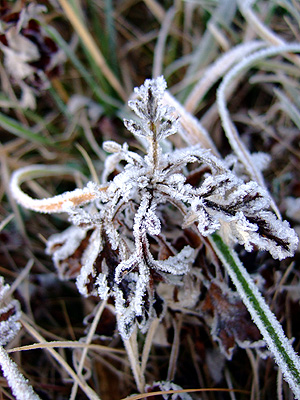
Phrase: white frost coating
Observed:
(229, 128)
(63, 245)
(16, 381)
(61, 203)
(264, 328)
(179, 264)
(120, 246)
(167, 385)
(217, 69)
(88, 259)
(111, 146)
(103, 289)
(10, 314)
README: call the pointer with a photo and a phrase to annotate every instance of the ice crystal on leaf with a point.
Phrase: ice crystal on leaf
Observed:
(166, 386)
(119, 227)
(10, 314)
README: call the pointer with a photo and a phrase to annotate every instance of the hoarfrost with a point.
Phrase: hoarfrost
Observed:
(113, 247)
(10, 314)
(165, 386)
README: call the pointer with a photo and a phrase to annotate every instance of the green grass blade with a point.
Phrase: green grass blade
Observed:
(111, 35)
(101, 96)
(270, 328)
(19, 130)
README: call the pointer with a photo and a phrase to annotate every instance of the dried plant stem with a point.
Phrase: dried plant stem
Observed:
(229, 383)
(270, 328)
(52, 204)
(133, 356)
(66, 344)
(156, 9)
(261, 29)
(6, 221)
(89, 163)
(255, 382)
(216, 70)
(89, 338)
(161, 43)
(279, 385)
(92, 48)
(21, 276)
(148, 343)
(87, 389)
(102, 97)
(165, 392)
(175, 347)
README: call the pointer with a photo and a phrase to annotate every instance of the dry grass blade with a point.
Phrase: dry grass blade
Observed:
(216, 70)
(67, 345)
(86, 389)
(89, 338)
(161, 42)
(93, 48)
(162, 392)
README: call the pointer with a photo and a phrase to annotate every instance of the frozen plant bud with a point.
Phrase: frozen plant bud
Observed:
(111, 147)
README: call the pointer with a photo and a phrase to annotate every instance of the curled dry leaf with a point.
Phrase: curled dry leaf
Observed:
(31, 57)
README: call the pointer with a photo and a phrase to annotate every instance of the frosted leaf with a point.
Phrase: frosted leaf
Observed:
(16, 381)
(102, 286)
(276, 236)
(89, 256)
(10, 314)
(136, 128)
(127, 266)
(261, 160)
(150, 94)
(152, 223)
(167, 128)
(165, 386)
(249, 197)
(157, 120)
(231, 322)
(19, 54)
(112, 147)
(178, 264)
(62, 246)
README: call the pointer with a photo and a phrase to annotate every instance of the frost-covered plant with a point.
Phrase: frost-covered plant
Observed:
(118, 245)
(9, 326)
